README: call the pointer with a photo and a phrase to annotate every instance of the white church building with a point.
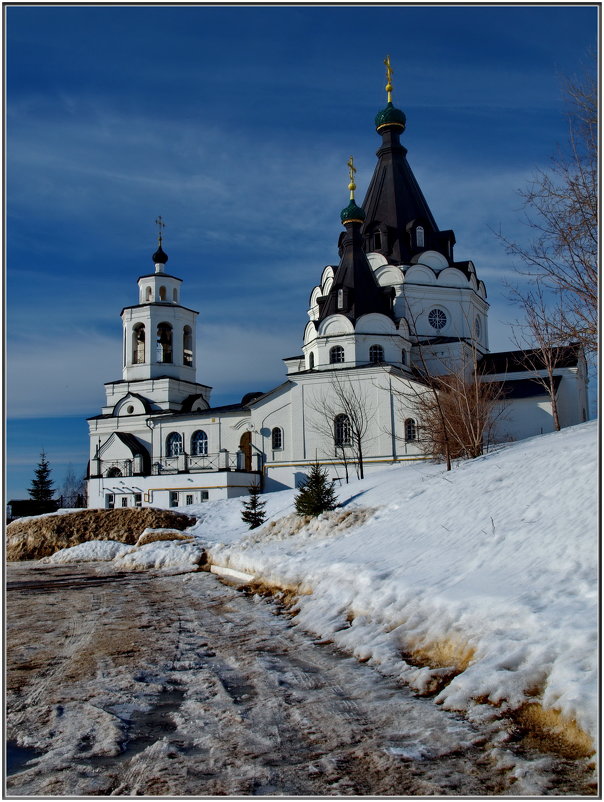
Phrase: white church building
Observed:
(397, 301)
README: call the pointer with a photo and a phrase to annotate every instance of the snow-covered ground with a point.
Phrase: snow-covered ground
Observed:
(490, 569)
(480, 583)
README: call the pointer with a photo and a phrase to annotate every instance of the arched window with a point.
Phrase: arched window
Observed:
(404, 357)
(199, 444)
(187, 346)
(112, 472)
(341, 430)
(377, 241)
(336, 354)
(164, 342)
(477, 328)
(149, 294)
(419, 236)
(376, 354)
(175, 295)
(173, 444)
(311, 360)
(437, 319)
(138, 344)
(277, 438)
(410, 430)
(162, 293)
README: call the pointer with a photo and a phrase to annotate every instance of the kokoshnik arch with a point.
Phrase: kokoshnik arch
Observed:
(396, 297)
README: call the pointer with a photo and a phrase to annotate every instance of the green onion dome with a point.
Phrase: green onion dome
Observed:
(390, 116)
(352, 214)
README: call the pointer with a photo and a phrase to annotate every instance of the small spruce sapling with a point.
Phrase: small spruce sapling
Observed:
(253, 512)
(317, 495)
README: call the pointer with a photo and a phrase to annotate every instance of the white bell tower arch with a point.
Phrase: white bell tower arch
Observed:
(158, 332)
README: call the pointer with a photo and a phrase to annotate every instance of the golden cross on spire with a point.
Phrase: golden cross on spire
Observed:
(351, 171)
(160, 224)
(389, 72)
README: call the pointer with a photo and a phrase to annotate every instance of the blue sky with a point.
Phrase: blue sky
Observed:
(235, 124)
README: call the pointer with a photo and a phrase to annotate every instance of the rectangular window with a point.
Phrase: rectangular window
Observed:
(109, 501)
(124, 501)
(173, 499)
(138, 500)
(189, 499)
(205, 495)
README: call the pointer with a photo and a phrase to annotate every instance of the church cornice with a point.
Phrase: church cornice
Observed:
(159, 275)
(159, 303)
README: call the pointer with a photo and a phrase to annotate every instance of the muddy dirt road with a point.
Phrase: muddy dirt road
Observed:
(142, 684)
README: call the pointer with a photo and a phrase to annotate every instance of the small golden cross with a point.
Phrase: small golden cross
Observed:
(389, 72)
(351, 171)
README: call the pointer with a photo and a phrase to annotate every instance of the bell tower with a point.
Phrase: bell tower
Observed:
(158, 332)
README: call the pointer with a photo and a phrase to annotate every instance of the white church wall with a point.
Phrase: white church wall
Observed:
(311, 430)
(169, 490)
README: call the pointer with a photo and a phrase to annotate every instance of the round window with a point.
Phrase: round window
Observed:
(437, 319)
(130, 409)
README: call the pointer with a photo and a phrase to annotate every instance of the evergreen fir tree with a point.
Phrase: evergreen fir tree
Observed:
(41, 488)
(253, 508)
(317, 495)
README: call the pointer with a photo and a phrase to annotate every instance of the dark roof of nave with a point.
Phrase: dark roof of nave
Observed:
(526, 388)
(529, 359)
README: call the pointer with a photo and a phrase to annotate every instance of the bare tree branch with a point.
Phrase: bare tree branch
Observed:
(561, 209)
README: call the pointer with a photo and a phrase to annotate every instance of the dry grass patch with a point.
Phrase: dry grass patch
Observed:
(551, 731)
(451, 652)
(337, 521)
(35, 538)
(155, 535)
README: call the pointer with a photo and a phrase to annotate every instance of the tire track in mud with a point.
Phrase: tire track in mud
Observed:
(181, 685)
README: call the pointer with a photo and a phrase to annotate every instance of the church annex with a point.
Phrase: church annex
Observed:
(397, 297)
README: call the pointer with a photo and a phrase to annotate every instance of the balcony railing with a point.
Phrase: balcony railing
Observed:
(182, 463)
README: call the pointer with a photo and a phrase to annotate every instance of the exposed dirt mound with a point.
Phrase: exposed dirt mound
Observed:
(35, 538)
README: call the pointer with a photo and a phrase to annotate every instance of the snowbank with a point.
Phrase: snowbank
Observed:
(163, 554)
(93, 550)
(480, 583)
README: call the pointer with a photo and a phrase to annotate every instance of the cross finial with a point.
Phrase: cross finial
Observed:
(389, 72)
(351, 171)
(160, 224)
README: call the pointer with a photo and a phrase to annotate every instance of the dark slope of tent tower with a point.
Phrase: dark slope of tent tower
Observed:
(398, 222)
(355, 291)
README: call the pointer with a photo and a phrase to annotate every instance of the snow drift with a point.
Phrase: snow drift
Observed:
(478, 585)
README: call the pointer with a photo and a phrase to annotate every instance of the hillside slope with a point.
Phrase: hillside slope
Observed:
(478, 585)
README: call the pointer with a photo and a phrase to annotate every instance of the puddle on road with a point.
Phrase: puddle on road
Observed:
(144, 729)
(18, 757)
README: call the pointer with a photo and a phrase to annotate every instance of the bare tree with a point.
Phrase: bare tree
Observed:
(561, 210)
(342, 417)
(538, 337)
(458, 410)
(461, 423)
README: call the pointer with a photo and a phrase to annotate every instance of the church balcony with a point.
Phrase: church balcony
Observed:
(182, 463)
(185, 463)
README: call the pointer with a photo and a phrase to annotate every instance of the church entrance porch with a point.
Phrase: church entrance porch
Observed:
(245, 447)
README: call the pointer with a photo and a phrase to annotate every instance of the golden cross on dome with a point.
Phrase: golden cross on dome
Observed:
(389, 72)
(351, 171)
(160, 224)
